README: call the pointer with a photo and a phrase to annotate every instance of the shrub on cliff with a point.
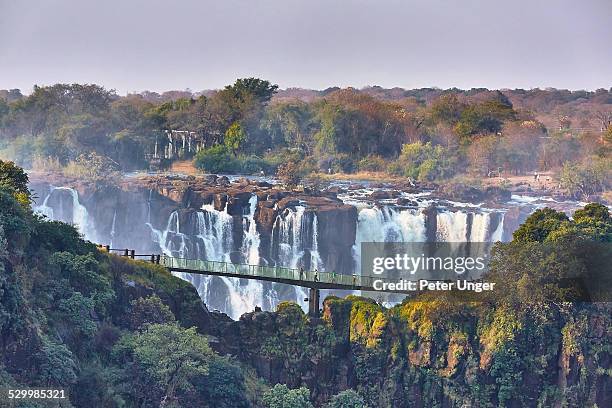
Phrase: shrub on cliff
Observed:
(150, 310)
(281, 396)
(346, 399)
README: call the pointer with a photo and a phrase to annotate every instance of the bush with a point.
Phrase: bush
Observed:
(289, 173)
(372, 163)
(216, 159)
(281, 396)
(150, 310)
(219, 159)
(343, 163)
(255, 165)
(346, 399)
(424, 162)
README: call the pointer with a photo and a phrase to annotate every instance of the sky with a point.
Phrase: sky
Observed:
(136, 45)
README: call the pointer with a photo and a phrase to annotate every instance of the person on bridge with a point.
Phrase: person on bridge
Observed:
(316, 275)
(354, 280)
(301, 273)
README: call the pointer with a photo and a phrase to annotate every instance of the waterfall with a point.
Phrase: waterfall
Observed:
(480, 227)
(498, 234)
(452, 226)
(251, 241)
(215, 231)
(315, 257)
(44, 209)
(79, 217)
(387, 225)
(166, 238)
(215, 242)
(295, 232)
(112, 231)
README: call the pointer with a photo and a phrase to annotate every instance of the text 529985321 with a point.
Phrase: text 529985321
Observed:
(32, 393)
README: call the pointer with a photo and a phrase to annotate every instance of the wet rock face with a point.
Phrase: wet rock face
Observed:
(337, 229)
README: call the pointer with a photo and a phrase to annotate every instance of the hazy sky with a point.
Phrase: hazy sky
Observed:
(133, 45)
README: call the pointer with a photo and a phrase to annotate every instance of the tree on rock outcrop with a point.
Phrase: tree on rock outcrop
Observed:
(150, 310)
(346, 399)
(281, 396)
(167, 355)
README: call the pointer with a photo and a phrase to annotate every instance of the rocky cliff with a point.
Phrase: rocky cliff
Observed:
(433, 354)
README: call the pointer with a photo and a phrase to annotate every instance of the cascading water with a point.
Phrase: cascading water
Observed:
(167, 239)
(295, 233)
(315, 257)
(288, 227)
(212, 234)
(480, 227)
(498, 234)
(451, 226)
(214, 241)
(387, 225)
(79, 217)
(251, 239)
(113, 231)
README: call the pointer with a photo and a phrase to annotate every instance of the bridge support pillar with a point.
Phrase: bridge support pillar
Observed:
(313, 302)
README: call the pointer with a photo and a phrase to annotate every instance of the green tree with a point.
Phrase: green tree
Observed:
(585, 180)
(15, 180)
(224, 385)
(263, 90)
(485, 117)
(446, 109)
(281, 396)
(539, 225)
(235, 136)
(424, 162)
(57, 365)
(216, 159)
(170, 355)
(289, 123)
(346, 399)
(149, 310)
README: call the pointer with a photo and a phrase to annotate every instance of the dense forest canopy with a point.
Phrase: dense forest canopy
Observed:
(251, 126)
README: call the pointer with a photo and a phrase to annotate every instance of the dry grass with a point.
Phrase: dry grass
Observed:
(184, 167)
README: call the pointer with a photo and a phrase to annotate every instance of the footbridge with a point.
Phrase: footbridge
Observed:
(313, 280)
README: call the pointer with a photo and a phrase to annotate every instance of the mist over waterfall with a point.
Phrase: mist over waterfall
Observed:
(243, 228)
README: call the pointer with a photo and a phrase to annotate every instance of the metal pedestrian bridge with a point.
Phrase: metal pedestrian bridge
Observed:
(313, 280)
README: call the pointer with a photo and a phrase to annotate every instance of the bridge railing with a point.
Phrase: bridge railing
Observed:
(277, 272)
